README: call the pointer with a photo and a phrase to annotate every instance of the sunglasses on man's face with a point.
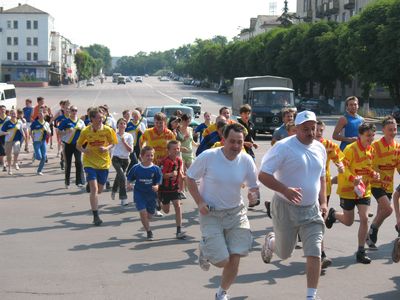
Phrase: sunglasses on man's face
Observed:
(73, 110)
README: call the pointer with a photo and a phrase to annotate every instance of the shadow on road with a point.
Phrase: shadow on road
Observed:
(395, 294)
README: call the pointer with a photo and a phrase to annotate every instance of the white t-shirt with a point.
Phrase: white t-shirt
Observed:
(297, 165)
(221, 178)
(120, 150)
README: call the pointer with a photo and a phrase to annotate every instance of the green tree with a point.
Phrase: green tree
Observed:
(85, 65)
(101, 52)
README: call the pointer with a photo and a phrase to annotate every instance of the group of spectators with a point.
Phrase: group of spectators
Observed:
(159, 165)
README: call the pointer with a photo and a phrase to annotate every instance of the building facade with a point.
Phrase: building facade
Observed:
(29, 49)
(259, 25)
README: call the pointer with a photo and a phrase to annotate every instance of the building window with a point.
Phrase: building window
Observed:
(344, 17)
(29, 41)
(35, 41)
(15, 55)
(9, 56)
(9, 41)
(35, 25)
(15, 41)
(28, 24)
(28, 56)
(9, 24)
(35, 56)
(15, 24)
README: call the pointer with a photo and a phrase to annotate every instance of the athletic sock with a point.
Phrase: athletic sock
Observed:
(220, 291)
(178, 229)
(95, 213)
(311, 293)
(361, 249)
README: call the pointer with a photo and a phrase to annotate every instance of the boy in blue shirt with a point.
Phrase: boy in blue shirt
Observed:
(147, 177)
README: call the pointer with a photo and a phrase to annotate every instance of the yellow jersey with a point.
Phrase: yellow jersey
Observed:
(386, 159)
(213, 127)
(157, 140)
(94, 158)
(334, 154)
(357, 162)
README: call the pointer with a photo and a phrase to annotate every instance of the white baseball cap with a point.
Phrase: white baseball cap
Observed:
(305, 116)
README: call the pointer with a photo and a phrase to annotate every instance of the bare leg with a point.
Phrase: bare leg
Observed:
(313, 271)
(384, 210)
(363, 229)
(145, 219)
(230, 271)
(178, 212)
(94, 199)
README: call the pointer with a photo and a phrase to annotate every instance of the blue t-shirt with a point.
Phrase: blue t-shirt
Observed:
(27, 113)
(208, 142)
(38, 131)
(280, 133)
(199, 129)
(145, 177)
(14, 131)
(351, 128)
(59, 119)
(77, 126)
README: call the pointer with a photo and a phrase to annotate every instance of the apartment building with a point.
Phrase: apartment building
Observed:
(30, 50)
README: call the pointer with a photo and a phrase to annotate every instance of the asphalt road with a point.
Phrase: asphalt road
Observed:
(50, 250)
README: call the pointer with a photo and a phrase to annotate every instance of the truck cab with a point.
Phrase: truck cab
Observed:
(267, 104)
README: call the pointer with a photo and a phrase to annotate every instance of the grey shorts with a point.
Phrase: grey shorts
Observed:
(225, 232)
(290, 220)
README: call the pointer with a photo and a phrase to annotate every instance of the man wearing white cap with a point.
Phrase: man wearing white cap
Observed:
(299, 203)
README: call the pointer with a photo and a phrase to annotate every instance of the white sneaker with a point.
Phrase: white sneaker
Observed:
(66, 186)
(266, 252)
(158, 214)
(203, 262)
(39, 173)
(223, 296)
(16, 166)
(124, 202)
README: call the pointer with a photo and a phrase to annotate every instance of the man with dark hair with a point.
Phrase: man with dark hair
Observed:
(354, 186)
(245, 113)
(349, 123)
(99, 139)
(281, 132)
(224, 226)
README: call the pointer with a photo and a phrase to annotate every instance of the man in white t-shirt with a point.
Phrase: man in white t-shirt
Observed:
(295, 169)
(224, 226)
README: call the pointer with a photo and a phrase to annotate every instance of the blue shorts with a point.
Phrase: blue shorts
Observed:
(145, 201)
(96, 174)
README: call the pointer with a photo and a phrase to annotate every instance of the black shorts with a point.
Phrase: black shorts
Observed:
(378, 192)
(349, 204)
(167, 197)
(2, 150)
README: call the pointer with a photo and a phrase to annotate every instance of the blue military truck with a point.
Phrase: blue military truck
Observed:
(267, 96)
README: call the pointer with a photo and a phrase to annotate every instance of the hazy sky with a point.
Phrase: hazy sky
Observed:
(129, 26)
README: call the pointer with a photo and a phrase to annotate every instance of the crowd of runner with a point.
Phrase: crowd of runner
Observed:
(161, 163)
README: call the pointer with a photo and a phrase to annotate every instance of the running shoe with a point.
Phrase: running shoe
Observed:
(362, 258)
(223, 296)
(39, 173)
(10, 173)
(97, 221)
(371, 244)
(325, 262)
(124, 202)
(203, 262)
(4, 169)
(266, 251)
(330, 220)
(180, 235)
(158, 214)
(373, 235)
(66, 186)
(150, 236)
(16, 166)
(396, 250)
(80, 185)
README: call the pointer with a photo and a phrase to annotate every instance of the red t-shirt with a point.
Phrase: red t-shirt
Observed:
(169, 165)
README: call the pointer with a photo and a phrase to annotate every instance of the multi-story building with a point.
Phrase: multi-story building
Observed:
(259, 25)
(29, 48)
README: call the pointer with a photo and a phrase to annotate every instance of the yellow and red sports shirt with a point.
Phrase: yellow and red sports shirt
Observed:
(386, 160)
(334, 154)
(157, 140)
(213, 127)
(95, 158)
(357, 162)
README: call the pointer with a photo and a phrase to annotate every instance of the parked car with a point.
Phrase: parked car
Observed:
(90, 82)
(193, 103)
(164, 78)
(187, 81)
(121, 80)
(138, 79)
(316, 105)
(223, 88)
(127, 79)
(149, 113)
(170, 110)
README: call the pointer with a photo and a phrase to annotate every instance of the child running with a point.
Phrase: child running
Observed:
(172, 184)
(147, 178)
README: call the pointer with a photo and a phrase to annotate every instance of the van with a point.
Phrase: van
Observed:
(8, 96)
